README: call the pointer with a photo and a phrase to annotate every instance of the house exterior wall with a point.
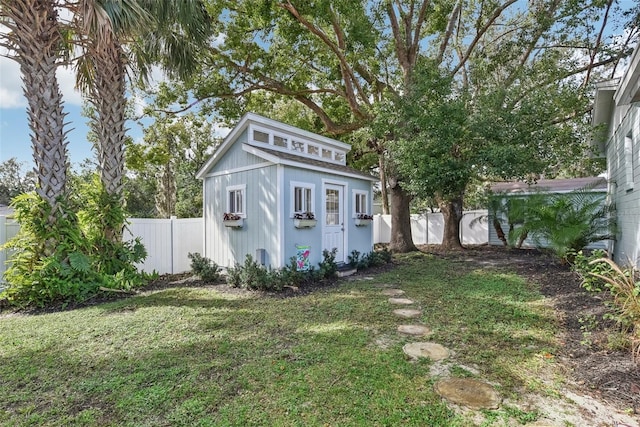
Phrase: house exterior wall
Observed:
(226, 245)
(358, 238)
(623, 167)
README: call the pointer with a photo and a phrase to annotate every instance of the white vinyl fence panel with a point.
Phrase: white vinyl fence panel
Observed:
(428, 229)
(8, 229)
(168, 242)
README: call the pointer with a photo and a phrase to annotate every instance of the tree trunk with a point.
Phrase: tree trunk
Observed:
(384, 195)
(401, 240)
(108, 98)
(36, 38)
(499, 232)
(452, 213)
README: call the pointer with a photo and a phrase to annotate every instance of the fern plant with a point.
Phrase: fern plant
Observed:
(570, 222)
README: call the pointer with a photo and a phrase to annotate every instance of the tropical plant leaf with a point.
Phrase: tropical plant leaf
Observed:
(79, 262)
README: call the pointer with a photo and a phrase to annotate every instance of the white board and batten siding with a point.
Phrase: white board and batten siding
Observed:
(226, 245)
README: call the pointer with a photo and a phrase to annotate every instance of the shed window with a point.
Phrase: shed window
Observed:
(297, 146)
(339, 156)
(236, 200)
(629, 160)
(260, 136)
(280, 141)
(360, 204)
(326, 153)
(313, 150)
(302, 197)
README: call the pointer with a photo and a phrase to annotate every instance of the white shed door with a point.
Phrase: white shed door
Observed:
(333, 227)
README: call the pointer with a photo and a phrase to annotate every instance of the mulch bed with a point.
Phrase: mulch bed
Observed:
(591, 366)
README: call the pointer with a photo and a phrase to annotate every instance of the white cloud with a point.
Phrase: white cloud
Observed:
(11, 95)
(67, 83)
(10, 85)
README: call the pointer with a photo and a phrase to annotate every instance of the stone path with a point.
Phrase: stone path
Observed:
(471, 393)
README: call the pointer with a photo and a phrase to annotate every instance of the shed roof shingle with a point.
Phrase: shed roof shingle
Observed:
(341, 169)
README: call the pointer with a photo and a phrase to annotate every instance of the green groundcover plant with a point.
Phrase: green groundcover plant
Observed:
(83, 263)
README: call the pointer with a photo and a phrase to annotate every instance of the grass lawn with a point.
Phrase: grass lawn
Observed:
(194, 356)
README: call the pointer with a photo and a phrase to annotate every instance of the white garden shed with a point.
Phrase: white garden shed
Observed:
(275, 192)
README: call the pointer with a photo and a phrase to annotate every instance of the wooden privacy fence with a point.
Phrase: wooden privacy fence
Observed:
(169, 241)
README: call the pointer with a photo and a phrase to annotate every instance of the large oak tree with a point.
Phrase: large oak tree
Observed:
(347, 61)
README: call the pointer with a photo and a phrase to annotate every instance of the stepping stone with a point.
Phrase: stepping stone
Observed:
(404, 301)
(431, 350)
(407, 313)
(393, 292)
(468, 392)
(414, 330)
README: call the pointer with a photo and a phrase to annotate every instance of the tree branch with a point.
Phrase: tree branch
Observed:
(496, 14)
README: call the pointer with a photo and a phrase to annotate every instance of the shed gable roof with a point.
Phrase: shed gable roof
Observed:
(281, 157)
(289, 159)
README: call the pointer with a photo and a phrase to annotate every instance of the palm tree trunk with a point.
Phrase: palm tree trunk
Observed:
(36, 38)
(109, 99)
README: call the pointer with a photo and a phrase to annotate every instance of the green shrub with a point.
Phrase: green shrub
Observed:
(290, 275)
(385, 255)
(253, 276)
(585, 269)
(63, 256)
(234, 278)
(371, 259)
(41, 272)
(328, 267)
(356, 261)
(204, 268)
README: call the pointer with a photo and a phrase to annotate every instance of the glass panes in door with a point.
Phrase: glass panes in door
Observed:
(332, 207)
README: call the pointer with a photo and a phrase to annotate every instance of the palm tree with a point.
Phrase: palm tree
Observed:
(570, 222)
(35, 39)
(165, 32)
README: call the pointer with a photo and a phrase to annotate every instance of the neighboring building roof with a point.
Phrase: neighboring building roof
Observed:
(551, 185)
(290, 159)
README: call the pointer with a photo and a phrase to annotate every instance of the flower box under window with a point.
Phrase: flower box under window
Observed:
(232, 220)
(304, 220)
(362, 220)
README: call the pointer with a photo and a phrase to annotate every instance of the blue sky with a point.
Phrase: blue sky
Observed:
(14, 128)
